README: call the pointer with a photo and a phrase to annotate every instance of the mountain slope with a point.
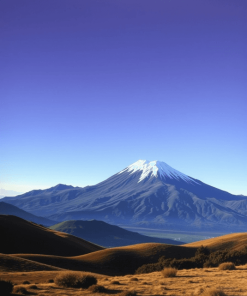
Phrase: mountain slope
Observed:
(145, 193)
(8, 209)
(107, 235)
(21, 236)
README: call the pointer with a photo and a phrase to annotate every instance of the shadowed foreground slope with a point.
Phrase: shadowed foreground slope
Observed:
(21, 236)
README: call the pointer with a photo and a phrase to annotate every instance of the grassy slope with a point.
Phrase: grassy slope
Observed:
(234, 241)
(12, 263)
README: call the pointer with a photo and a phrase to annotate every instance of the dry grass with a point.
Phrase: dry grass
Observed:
(128, 293)
(194, 282)
(213, 292)
(34, 287)
(50, 281)
(233, 241)
(227, 266)
(115, 283)
(169, 272)
(97, 289)
(20, 290)
(198, 291)
(72, 279)
(12, 263)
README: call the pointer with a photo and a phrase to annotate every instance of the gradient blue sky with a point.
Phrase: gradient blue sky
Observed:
(89, 87)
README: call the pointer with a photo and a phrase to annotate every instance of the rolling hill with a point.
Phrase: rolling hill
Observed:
(114, 261)
(21, 236)
(231, 242)
(28, 246)
(107, 235)
(147, 194)
(10, 263)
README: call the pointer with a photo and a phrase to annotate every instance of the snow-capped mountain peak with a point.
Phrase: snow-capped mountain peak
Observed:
(156, 168)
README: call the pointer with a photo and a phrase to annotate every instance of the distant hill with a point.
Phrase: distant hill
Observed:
(233, 241)
(107, 235)
(8, 209)
(21, 236)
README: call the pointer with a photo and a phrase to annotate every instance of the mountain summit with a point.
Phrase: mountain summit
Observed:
(156, 169)
(146, 193)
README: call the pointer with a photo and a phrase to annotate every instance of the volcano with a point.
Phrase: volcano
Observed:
(146, 193)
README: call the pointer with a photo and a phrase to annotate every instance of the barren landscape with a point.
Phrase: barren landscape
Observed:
(187, 282)
(115, 269)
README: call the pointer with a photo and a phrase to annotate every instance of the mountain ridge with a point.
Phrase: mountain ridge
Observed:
(141, 195)
(8, 209)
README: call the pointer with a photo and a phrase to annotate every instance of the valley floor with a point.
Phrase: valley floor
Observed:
(187, 282)
(183, 236)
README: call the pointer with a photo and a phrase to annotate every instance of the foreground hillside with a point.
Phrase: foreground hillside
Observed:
(114, 261)
(21, 236)
(115, 268)
(187, 282)
(107, 235)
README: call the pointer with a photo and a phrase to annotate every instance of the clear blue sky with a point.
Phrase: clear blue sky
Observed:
(89, 87)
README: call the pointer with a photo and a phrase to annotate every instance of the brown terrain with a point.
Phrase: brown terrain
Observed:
(187, 282)
(35, 254)
(108, 261)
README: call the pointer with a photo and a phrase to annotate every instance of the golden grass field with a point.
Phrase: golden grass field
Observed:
(233, 241)
(117, 265)
(108, 261)
(187, 282)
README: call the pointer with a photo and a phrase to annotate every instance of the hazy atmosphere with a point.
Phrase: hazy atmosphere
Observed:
(89, 87)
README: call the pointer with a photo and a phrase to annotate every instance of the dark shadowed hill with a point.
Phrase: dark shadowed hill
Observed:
(8, 209)
(107, 235)
(21, 236)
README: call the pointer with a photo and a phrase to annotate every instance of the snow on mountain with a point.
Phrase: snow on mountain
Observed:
(156, 168)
